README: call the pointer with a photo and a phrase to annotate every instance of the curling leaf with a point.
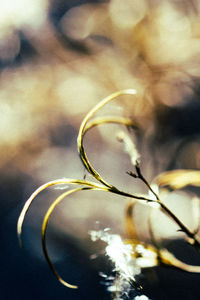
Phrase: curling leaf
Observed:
(169, 259)
(44, 229)
(178, 179)
(83, 128)
(40, 189)
(105, 120)
(147, 256)
(129, 221)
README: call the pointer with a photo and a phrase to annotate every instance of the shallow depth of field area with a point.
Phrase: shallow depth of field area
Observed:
(102, 97)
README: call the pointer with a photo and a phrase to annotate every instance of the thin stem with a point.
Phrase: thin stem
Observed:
(139, 175)
(180, 224)
(183, 228)
(139, 197)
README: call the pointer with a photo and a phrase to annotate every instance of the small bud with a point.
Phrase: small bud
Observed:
(132, 174)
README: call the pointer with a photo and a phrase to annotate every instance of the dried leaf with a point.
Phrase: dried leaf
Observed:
(129, 221)
(196, 212)
(43, 187)
(83, 129)
(178, 179)
(147, 256)
(112, 119)
(169, 259)
(44, 230)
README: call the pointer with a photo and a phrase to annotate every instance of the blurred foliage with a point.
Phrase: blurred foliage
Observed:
(58, 58)
(131, 255)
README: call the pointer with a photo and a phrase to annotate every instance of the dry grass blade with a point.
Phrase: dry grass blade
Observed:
(161, 255)
(153, 257)
(196, 212)
(169, 259)
(129, 223)
(44, 230)
(178, 179)
(145, 254)
(112, 120)
(151, 218)
(83, 128)
(40, 189)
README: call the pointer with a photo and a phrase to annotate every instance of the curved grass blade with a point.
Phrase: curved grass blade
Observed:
(109, 120)
(196, 213)
(151, 256)
(175, 180)
(115, 120)
(82, 129)
(45, 224)
(151, 219)
(44, 230)
(169, 259)
(178, 179)
(130, 227)
(40, 189)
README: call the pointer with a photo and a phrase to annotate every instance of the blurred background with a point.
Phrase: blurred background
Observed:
(58, 58)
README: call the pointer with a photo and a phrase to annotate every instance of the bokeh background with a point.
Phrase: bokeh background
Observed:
(58, 58)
